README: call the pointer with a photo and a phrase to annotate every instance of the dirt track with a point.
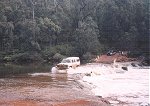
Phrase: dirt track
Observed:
(110, 59)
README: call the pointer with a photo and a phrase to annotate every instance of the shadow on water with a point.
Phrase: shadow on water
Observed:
(8, 69)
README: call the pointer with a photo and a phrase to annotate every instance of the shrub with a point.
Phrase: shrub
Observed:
(134, 54)
(87, 57)
(55, 52)
(27, 57)
(58, 57)
(7, 58)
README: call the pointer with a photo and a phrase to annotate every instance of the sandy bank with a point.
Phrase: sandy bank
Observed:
(77, 102)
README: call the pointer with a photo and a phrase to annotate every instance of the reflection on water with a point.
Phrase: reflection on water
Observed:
(37, 80)
(23, 82)
(7, 70)
(41, 87)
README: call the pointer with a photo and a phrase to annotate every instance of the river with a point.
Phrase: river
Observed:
(79, 87)
(38, 89)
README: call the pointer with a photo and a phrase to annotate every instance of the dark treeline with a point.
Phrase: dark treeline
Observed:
(42, 29)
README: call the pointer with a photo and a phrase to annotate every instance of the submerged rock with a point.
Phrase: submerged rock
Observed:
(125, 68)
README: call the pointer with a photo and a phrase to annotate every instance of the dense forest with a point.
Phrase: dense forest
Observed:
(35, 30)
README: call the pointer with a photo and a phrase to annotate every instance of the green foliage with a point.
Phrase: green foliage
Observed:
(72, 27)
(58, 57)
(134, 54)
(86, 37)
(87, 57)
(49, 24)
(7, 58)
(6, 36)
(27, 57)
(64, 49)
(57, 52)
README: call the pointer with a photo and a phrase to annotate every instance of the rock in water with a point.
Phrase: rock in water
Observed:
(54, 70)
(125, 68)
(133, 64)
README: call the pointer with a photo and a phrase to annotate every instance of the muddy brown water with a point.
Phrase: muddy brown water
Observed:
(45, 89)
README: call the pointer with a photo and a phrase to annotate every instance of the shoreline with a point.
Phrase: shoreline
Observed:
(91, 81)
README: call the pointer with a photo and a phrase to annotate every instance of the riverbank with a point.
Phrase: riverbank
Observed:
(120, 87)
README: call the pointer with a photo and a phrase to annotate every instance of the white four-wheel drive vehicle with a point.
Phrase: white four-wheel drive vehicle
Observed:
(70, 62)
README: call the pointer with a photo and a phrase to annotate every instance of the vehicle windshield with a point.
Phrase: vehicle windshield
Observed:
(65, 61)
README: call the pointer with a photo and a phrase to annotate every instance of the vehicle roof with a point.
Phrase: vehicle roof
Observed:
(72, 58)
